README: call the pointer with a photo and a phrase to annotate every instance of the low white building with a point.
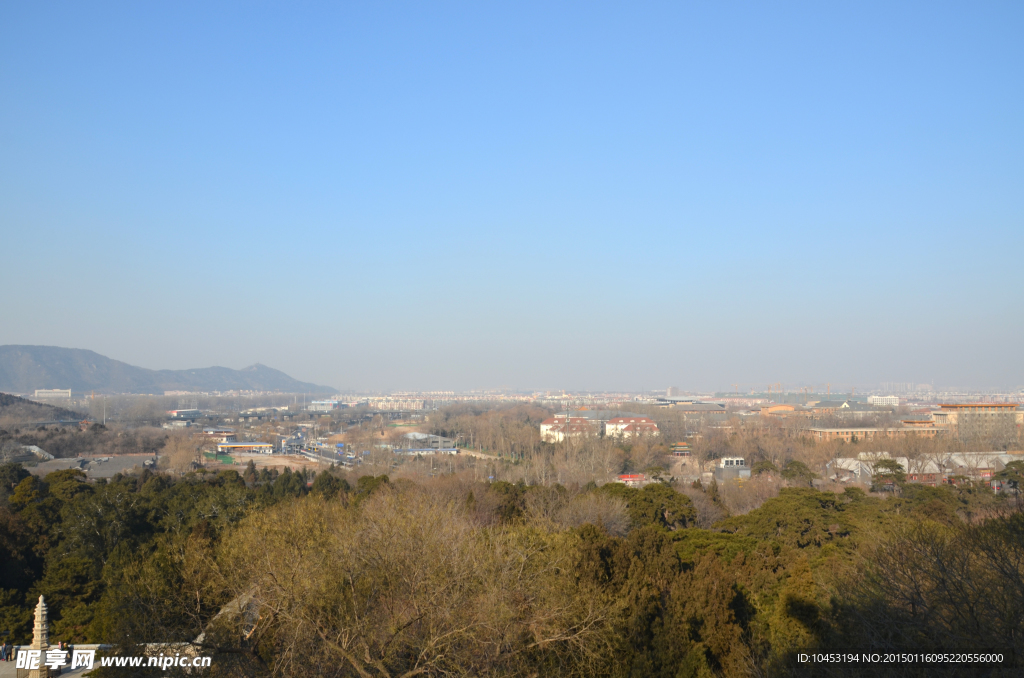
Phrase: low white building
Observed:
(184, 414)
(884, 401)
(426, 443)
(245, 448)
(220, 434)
(731, 468)
(556, 429)
(595, 422)
(630, 426)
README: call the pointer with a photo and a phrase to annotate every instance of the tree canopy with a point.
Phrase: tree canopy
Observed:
(365, 576)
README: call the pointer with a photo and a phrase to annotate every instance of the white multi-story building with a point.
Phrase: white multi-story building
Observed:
(323, 405)
(397, 405)
(884, 401)
(51, 393)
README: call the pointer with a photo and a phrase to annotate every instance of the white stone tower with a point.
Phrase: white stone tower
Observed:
(41, 640)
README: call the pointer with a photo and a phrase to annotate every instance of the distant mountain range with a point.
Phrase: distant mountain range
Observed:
(23, 369)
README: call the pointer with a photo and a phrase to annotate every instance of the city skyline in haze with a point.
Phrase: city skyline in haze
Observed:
(580, 197)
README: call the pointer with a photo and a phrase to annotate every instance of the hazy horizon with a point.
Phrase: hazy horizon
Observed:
(836, 388)
(576, 197)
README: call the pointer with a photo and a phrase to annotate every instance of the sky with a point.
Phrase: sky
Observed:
(532, 195)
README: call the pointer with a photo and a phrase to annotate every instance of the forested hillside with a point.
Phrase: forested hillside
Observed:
(368, 577)
(15, 411)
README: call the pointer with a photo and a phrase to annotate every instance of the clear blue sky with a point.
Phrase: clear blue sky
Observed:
(535, 195)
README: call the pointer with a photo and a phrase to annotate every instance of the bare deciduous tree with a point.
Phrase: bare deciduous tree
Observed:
(406, 585)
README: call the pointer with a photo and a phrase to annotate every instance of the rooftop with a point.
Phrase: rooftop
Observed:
(966, 406)
(602, 415)
(699, 407)
(890, 428)
(97, 467)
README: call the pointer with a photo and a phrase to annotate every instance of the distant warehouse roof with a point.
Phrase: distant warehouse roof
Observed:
(97, 467)
(699, 407)
(978, 406)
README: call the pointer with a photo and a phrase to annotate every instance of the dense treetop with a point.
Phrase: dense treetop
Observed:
(371, 576)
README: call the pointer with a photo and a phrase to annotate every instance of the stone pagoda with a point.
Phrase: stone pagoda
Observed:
(41, 640)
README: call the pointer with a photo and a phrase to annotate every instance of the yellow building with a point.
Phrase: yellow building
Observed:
(782, 410)
(980, 420)
(850, 434)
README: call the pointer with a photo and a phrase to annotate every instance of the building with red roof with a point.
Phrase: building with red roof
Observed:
(596, 422)
(556, 429)
(630, 426)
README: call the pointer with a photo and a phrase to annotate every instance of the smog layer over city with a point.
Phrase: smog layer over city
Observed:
(518, 340)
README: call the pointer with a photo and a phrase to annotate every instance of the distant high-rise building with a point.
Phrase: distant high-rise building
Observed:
(671, 392)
